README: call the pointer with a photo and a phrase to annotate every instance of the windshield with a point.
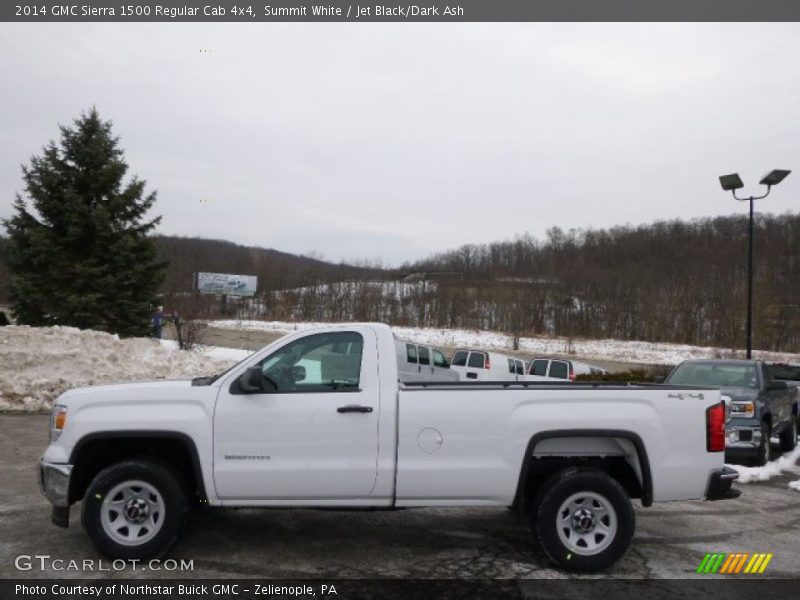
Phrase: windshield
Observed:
(718, 375)
(209, 379)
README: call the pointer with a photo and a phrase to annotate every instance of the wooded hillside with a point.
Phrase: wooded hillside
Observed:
(672, 281)
(669, 281)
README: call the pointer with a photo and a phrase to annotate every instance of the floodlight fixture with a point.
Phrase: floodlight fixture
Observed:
(774, 177)
(731, 182)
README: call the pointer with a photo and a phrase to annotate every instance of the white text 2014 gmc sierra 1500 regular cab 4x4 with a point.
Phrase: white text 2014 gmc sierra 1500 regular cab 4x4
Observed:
(319, 419)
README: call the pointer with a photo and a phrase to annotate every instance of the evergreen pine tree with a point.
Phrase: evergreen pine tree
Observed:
(82, 257)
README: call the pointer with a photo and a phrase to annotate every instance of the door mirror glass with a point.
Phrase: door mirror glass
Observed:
(774, 386)
(298, 373)
(252, 381)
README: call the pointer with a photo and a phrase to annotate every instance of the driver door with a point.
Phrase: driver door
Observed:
(311, 432)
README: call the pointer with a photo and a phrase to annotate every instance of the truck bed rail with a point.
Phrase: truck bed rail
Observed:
(547, 385)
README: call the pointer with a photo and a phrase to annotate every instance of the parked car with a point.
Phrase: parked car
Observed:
(559, 368)
(481, 365)
(417, 362)
(760, 405)
(318, 419)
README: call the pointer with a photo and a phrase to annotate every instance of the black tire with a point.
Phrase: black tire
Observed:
(533, 507)
(165, 491)
(598, 493)
(789, 436)
(764, 451)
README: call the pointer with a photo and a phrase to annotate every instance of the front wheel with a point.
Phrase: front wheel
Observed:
(764, 448)
(585, 520)
(134, 509)
(789, 435)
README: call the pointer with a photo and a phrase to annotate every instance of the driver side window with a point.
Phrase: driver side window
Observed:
(324, 362)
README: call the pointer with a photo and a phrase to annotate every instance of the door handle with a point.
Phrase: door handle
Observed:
(354, 408)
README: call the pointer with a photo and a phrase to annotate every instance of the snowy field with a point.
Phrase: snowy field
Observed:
(39, 363)
(612, 350)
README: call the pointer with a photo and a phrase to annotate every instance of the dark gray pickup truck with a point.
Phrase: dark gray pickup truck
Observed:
(761, 405)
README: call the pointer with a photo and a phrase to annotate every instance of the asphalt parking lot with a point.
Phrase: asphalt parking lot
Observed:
(671, 539)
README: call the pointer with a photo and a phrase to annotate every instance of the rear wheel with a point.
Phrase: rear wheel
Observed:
(585, 520)
(789, 436)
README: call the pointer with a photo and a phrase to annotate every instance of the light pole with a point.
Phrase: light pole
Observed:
(731, 183)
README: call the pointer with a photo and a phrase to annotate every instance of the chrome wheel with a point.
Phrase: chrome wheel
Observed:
(132, 513)
(586, 523)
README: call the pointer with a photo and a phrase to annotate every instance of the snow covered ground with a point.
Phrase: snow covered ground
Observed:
(613, 350)
(39, 363)
(787, 462)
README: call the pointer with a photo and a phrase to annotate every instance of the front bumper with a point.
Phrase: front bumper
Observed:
(719, 484)
(54, 483)
(742, 440)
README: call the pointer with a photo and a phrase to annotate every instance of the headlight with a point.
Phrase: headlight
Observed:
(743, 409)
(58, 419)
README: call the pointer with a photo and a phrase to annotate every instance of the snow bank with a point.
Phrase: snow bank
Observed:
(794, 485)
(215, 352)
(614, 350)
(39, 363)
(772, 469)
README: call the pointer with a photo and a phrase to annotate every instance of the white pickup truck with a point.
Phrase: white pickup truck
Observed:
(319, 419)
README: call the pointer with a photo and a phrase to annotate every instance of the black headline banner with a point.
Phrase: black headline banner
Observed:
(433, 11)
(389, 589)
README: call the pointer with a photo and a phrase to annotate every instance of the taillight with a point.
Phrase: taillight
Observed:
(571, 373)
(486, 364)
(715, 428)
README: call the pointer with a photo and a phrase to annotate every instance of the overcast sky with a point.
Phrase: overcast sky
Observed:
(393, 141)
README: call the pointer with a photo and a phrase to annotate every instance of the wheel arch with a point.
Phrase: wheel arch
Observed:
(523, 493)
(98, 450)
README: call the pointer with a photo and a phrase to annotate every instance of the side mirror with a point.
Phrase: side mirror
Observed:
(774, 386)
(298, 373)
(252, 381)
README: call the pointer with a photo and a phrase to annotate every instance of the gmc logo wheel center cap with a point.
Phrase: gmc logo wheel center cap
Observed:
(583, 520)
(137, 511)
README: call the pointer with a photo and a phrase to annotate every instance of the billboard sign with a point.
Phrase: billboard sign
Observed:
(227, 284)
